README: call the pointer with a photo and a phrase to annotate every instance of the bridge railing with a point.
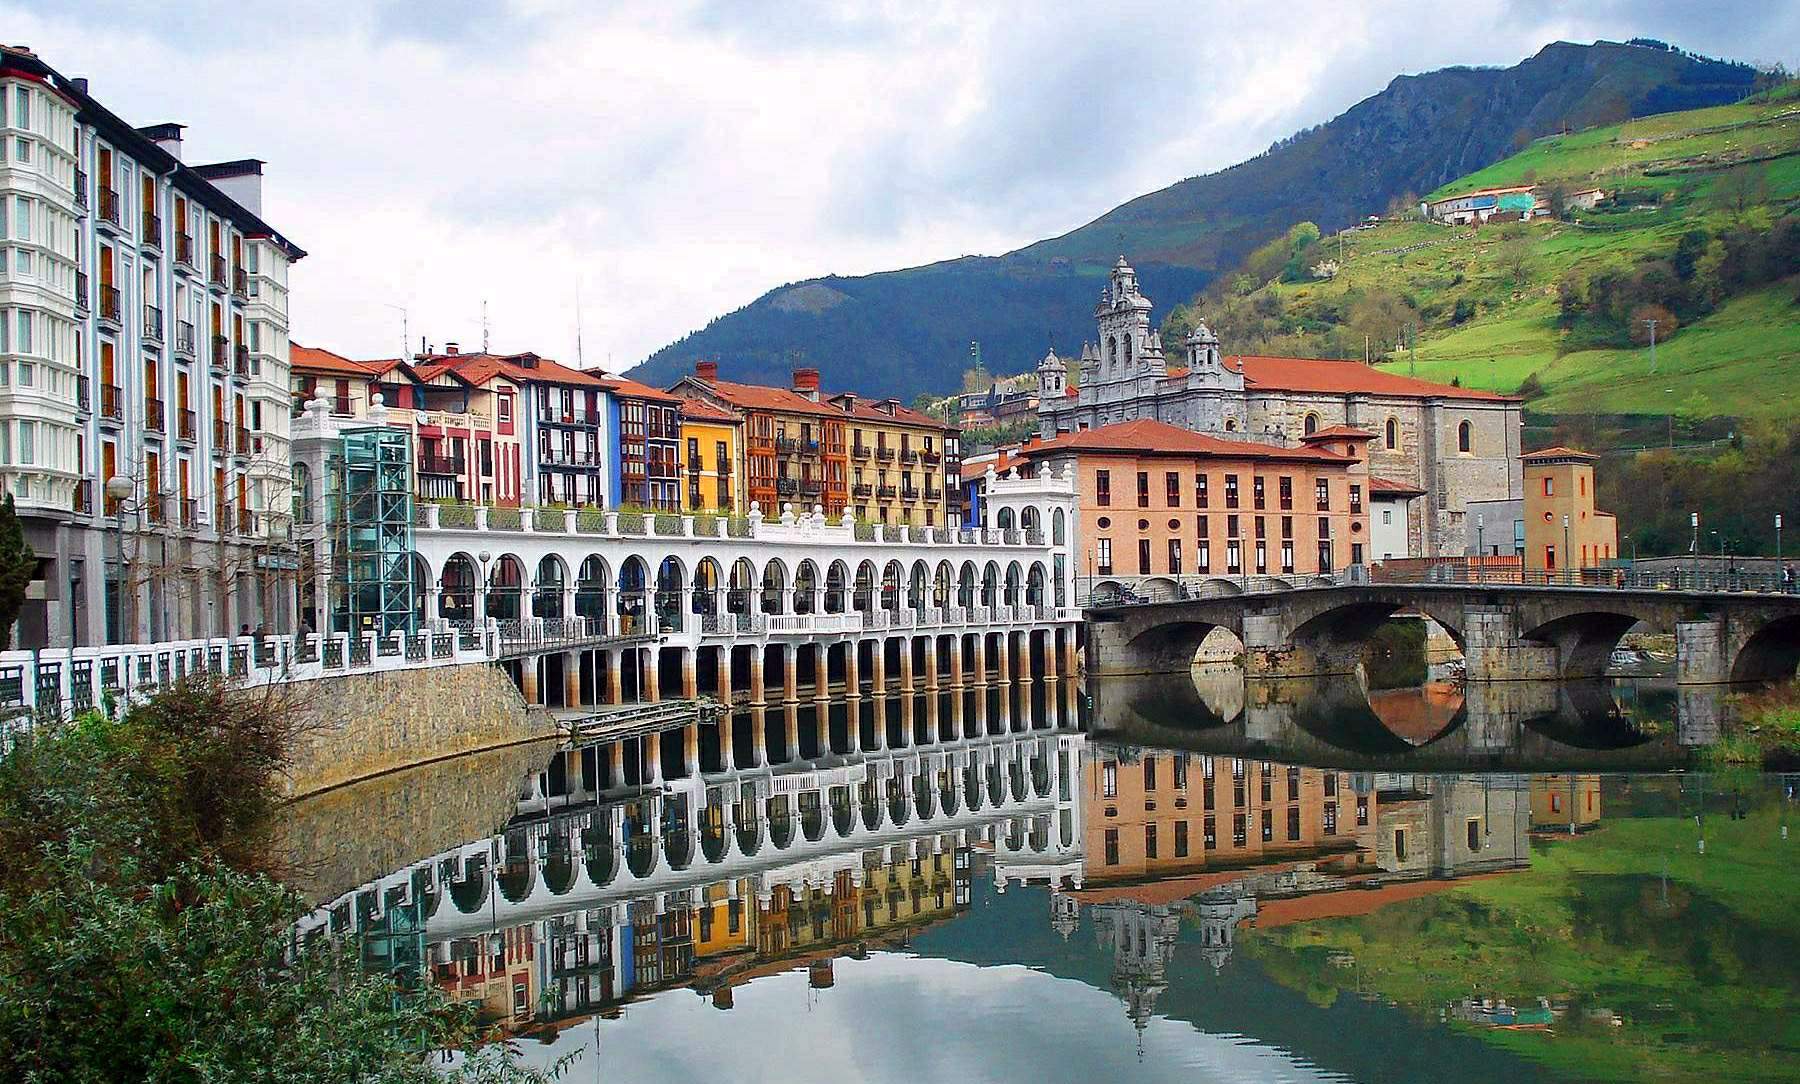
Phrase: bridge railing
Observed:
(1461, 572)
(73, 680)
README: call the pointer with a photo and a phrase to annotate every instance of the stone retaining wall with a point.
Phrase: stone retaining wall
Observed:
(363, 725)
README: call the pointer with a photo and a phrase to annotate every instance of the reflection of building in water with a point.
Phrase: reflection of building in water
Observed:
(1452, 825)
(498, 970)
(1153, 814)
(1565, 803)
(1142, 940)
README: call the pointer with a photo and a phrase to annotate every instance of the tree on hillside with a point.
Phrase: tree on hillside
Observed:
(1740, 190)
(17, 566)
(1641, 317)
(1176, 327)
(1515, 258)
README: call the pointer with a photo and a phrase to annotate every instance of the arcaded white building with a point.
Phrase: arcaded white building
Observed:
(143, 343)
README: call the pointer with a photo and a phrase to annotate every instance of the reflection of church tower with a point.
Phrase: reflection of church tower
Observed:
(1065, 913)
(1142, 939)
(1219, 919)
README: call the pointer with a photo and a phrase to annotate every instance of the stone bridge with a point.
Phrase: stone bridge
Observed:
(1506, 631)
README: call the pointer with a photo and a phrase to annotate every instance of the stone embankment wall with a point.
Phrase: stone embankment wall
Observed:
(364, 725)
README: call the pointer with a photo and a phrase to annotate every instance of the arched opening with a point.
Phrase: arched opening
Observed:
(518, 868)
(774, 587)
(303, 493)
(591, 588)
(506, 589)
(1771, 654)
(456, 590)
(671, 580)
(421, 578)
(1391, 434)
(1465, 437)
(633, 578)
(547, 590)
(916, 593)
(941, 584)
(1311, 424)
(990, 585)
(806, 588)
(965, 587)
(836, 578)
(705, 599)
(1584, 642)
(890, 586)
(1034, 585)
(1004, 519)
(1058, 528)
(1015, 581)
(743, 583)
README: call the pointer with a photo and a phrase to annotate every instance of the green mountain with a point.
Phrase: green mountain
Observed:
(905, 332)
(1699, 231)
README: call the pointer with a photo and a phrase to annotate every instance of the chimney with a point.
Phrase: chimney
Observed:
(707, 370)
(806, 382)
(890, 407)
(452, 349)
(241, 180)
(166, 136)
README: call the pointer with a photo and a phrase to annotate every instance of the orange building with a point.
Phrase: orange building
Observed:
(1160, 500)
(1563, 529)
(1165, 814)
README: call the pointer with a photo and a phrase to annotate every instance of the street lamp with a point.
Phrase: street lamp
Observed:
(484, 557)
(1778, 541)
(120, 489)
(1480, 542)
(1566, 556)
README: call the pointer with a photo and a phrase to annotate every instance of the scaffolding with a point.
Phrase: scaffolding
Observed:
(370, 508)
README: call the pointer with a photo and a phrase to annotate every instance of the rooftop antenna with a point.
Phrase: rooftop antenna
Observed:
(484, 326)
(405, 333)
(578, 362)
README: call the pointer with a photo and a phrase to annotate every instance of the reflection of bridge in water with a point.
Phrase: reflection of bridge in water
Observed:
(1511, 726)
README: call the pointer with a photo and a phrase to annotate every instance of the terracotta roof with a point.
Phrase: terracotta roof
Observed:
(1002, 461)
(1348, 903)
(1340, 432)
(312, 359)
(622, 385)
(1344, 377)
(702, 410)
(870, 412)
(1393, 488)
(766, 397)
(1559, 453)
(1148, 437)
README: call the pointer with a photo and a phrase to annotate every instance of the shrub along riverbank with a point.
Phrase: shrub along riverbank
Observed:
(145, 930)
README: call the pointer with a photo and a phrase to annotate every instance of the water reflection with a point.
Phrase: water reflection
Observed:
(1141, 895)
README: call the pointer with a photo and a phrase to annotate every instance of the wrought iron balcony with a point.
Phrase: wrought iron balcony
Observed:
(908, 493)
(83, 293)
(153, 415)
(84, 495)
(190, 512)
(885, 492)
(153, 328)
(221, 434)
(112, 402)
(243, 446)
(185, 336)
(930, 459)
(908, 456)
(810, 487)
(240, 360)
(441, 464)
(240, 283)
(221, 350)
(859, 451)
(109, 303)
(786, 487)
(884, 455)
(188, 420)
(152, 229)
(109, 205)
(861, 489)
(83, 393)
(81, 188)
(184, 249)
(218, 268)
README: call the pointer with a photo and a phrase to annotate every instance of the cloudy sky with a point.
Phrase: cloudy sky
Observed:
(670, 160)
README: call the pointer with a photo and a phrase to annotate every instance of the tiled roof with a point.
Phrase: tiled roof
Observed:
(521, 367)
(620, 385)
(1345, 378)
(1340, 432)
(1393, 488)
(1148, 437)
(705, 411)
(312, 359)
(1559, 452)
(766, 397)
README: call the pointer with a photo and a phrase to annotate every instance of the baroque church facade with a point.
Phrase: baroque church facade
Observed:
(1453, 444)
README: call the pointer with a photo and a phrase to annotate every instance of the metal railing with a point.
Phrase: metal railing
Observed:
(109, 205)
(153, 326)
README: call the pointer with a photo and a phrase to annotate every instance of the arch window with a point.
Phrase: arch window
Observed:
(1465, 438)
(1056, 528)
(1391, 434)
(1311, 424)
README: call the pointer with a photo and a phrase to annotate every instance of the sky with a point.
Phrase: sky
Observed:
(605, 178)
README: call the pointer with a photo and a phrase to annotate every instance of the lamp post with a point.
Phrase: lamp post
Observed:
(120, 489)
(1566, 556)
(482, 599)
(1778, 541)
(1480, 542)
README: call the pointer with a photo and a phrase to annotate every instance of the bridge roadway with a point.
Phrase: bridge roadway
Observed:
(1507, 631)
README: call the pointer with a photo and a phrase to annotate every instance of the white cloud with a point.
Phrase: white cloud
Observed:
(677, 159)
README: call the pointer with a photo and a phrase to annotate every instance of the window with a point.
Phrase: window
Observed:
(1181, 839)
(1231, 491)
(1103, 488)
(1109, 781)
(1256, 493)
(1172, 488)
(1293, 823)
(1209, 834)
(1355, 500)
(1199, 491)
(1474, 831)
(1391, 435)
(1143, 489)
(1293, 784)
(1323, 494)
(1549, 487)
(1287, 493)
(1387, 516)
(1149, 841)
(1550, 557)
(1143, 557)
(1234, 557)
(1181, 769)
(1112, 846)
(1103, 556)
(1330, 819)
(1174, 556)
(1311, 425)
(1239, 830)
(1399, 845)
(1149, 773)
(1268, 826)
(1465, 438)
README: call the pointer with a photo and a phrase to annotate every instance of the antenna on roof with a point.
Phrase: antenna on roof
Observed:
(578, 362)
(405, 333)
(484, 326)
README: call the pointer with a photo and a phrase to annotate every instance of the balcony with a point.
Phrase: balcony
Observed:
(786, 445)
(109, 303)
(84, 496)
(240, 284)
(83, 295)
(811, 487)
(190, 512)
(184, 249)
(188, 421)
(930, 459)
(221, 434)
(441, 464)
(155, 507)
(153, 328)
(81, 188)
(933, 495)
(884, 455)
(217, 270)
(153, 415)
(908, 493)
(109, 206)
(240, 361)
(696, 466)
(185, 336)
(861, 489)
(221, 350)
(112, 402)
(152, 229)
(341, 406)
(242, 447)
(246, 521)
(885, 492)
(859, 451)
(786, 487)
(84, 396)
(908, 456)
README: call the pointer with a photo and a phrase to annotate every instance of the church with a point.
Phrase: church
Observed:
(1453, 445)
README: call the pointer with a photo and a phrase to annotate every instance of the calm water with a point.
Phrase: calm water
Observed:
(1153, 881)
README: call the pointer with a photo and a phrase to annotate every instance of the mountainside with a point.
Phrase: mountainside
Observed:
(1699, 230)
(905, 332)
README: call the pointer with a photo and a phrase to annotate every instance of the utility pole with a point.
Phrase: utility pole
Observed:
(1651, 324)
(484, 326)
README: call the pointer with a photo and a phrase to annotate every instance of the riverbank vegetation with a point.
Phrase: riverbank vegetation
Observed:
(1766, 729)
(145, 931)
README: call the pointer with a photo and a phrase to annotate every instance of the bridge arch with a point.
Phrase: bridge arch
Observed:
(518, 870)
(1584, 640)
(1772, 653)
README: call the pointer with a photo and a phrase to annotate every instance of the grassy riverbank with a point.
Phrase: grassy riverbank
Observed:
(1767, 730)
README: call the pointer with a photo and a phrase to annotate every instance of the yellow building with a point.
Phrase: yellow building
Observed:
(712, 458)
(722, 920)
(1565, 803)
(1564, 532)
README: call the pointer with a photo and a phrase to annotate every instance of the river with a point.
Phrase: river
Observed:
(1154, 880)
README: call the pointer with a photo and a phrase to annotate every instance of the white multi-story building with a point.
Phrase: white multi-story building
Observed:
(143, 373)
